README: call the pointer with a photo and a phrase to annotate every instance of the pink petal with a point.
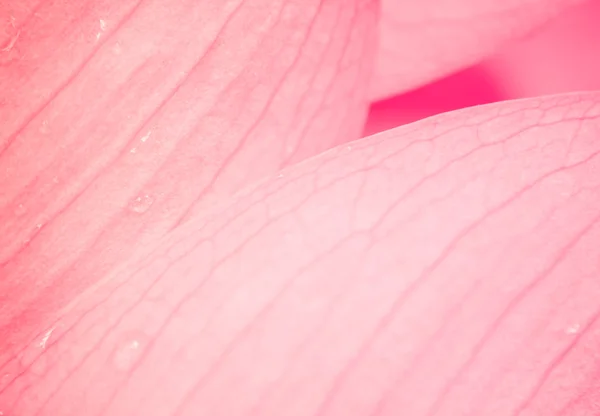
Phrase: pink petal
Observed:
(120, 119)
(448, 267)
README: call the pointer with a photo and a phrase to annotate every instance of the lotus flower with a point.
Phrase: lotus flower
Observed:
(299, 207)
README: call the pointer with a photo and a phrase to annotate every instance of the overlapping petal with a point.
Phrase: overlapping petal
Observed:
(446, 267)
(121, 119)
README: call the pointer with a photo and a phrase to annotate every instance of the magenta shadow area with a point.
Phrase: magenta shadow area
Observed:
(473, 86)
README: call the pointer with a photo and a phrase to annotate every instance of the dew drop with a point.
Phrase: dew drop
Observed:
(46, 338)
(44, 127)
(142, 204)
(128, 352)
(20, 210)
(573, 329)
(117, 49)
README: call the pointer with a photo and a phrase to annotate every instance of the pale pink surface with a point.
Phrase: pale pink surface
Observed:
(174, 240)
(162, 125)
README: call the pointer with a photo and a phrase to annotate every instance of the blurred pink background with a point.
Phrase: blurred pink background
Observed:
(563, 56)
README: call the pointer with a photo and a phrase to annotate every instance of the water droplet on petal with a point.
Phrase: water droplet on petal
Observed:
(117, 49)
(573, 329)
(20, 210)
(128, 352)
(44, 127)
(45, 338)
(141, 204)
